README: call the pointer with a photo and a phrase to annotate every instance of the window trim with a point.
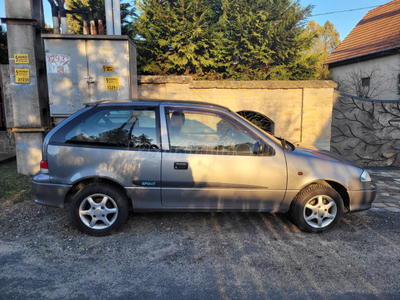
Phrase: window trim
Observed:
(222, 115)
(62, 131)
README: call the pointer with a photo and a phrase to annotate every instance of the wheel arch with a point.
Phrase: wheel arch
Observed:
(80, 184)
(342, 191)
(338, 187)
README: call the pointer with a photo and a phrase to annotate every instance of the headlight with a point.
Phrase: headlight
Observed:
(365, 176)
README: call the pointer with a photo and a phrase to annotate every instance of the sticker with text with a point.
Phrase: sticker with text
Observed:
(108, 68)
(21, 58)
(22, 76)
(112, 83)
(58, 63)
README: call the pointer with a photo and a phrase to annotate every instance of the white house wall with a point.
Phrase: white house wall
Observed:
(388, 68)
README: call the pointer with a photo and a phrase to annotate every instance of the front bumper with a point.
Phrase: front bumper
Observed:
(361, 200)
(49, 193)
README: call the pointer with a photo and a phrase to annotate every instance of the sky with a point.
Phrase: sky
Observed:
(344, 22)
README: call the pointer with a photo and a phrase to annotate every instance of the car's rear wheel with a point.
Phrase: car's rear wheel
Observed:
(317, 208)
(98, 209)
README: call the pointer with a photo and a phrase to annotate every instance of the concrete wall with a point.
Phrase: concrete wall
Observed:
(7, 141)
(6, 83)
(300, 110)
(384, 79)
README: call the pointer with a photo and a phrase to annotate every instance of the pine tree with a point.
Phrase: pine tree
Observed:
(266, 40)
(179, 37)
(233, 39)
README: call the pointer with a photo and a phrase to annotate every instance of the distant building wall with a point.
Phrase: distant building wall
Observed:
(384, 80)
(301, 110)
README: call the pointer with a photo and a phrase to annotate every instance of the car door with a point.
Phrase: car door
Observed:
(208, 162)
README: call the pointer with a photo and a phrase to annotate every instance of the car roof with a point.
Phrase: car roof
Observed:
(156, 102)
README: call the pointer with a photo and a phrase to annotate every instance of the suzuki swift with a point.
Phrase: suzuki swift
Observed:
(112, 157)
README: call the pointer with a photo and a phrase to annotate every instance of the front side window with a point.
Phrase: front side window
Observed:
(206, 132)
(124, 127)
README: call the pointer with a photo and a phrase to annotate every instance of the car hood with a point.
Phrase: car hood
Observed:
(323, 153)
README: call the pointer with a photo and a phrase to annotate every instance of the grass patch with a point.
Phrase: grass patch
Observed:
(14, 187)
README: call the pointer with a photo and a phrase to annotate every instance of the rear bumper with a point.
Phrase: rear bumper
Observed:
(50, 194)
(361, 200)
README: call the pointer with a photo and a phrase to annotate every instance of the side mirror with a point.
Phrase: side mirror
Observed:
(258, 148)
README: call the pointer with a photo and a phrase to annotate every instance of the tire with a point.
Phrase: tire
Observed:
(99, 209)
(316, 208)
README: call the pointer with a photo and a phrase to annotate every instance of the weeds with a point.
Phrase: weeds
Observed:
(14, 187)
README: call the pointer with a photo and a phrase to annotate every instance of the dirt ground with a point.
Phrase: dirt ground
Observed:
(197, 256)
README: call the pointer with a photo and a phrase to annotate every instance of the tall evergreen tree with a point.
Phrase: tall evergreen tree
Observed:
(236, 39)
(266, 39)
(179, 37)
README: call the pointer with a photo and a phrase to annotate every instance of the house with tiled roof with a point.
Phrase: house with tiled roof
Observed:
(367, 62)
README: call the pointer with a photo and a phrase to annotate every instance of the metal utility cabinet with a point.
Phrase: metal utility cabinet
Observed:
(88, 68)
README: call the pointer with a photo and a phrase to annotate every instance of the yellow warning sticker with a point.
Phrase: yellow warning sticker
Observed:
(112, 83)
(108, 69)
(22, 76)
(21, 58)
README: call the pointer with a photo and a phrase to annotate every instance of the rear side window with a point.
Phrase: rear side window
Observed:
(125, 127)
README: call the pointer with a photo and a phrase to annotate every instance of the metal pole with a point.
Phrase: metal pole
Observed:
(117, 17)
(109, 17)
(54, 17)
(63, 15)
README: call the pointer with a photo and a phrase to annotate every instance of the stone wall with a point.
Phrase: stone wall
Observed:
(367, 132)
(301, 110)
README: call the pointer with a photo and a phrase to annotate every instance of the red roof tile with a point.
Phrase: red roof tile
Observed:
(379, 30)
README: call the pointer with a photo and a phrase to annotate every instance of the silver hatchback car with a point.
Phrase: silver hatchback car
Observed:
(111, 157)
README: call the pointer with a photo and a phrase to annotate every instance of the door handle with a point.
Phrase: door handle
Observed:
(180, 165)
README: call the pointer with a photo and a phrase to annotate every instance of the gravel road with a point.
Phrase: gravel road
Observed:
(197, 256)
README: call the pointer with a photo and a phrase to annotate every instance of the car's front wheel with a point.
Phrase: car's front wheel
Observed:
(317, 208)
(98, 209)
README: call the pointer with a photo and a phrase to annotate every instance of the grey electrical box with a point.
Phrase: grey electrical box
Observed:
(88, 68)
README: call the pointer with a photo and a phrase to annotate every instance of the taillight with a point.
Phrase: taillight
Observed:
(44, 167)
